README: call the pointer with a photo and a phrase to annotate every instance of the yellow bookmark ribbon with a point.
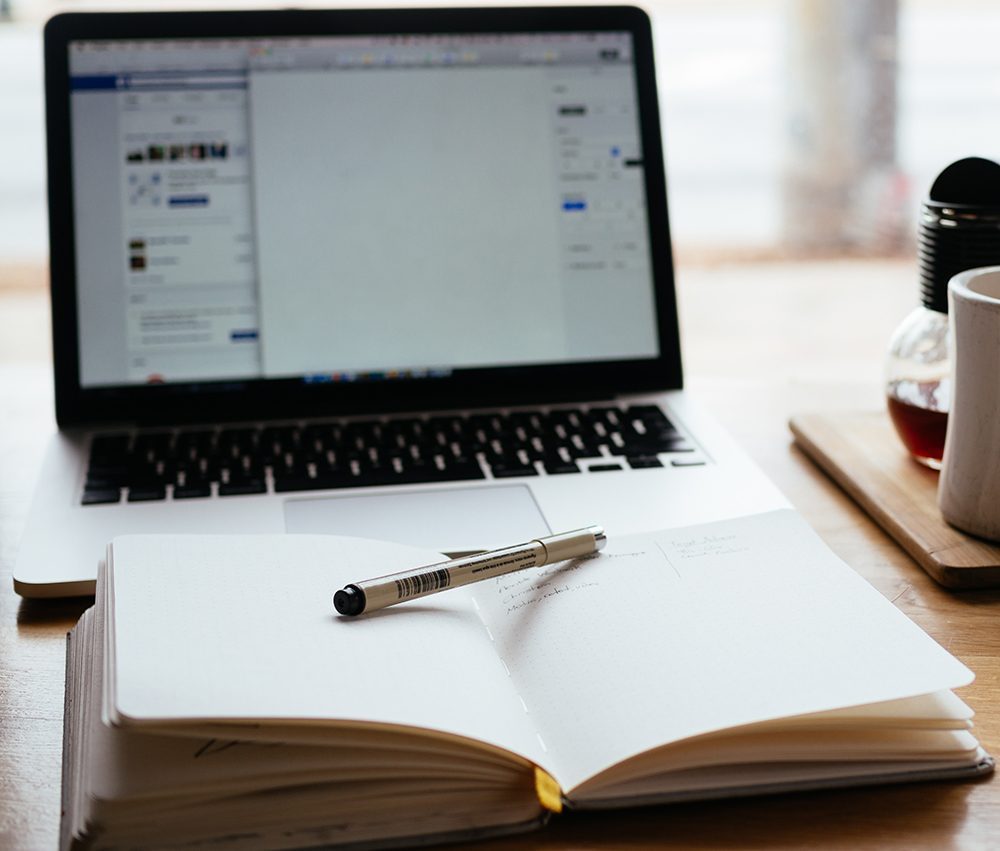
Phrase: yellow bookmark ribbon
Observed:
(548, 791)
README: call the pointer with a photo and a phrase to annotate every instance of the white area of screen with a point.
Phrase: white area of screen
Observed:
(442, 250)
(402, 219)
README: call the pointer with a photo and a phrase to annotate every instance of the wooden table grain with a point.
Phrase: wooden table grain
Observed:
(761, 343)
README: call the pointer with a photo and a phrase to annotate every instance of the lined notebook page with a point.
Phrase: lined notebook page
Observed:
(228, 628)
(666, 636)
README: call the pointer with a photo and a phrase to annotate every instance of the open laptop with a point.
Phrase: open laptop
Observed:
(395, 274)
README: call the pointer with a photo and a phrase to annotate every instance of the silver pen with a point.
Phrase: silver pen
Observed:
(371, 594)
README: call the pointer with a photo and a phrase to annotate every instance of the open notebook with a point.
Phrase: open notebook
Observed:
(214, 696)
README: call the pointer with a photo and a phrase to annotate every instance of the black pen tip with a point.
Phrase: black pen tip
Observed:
(349, 600)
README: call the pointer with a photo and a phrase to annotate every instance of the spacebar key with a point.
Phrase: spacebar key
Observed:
(302, 482)
(457, 471)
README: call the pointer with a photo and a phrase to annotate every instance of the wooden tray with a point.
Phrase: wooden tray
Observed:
(861, 452)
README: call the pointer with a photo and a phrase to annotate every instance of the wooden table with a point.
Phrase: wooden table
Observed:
(762, 342)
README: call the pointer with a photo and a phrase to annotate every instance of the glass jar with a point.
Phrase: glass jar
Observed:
(918, 384)
(959, 229)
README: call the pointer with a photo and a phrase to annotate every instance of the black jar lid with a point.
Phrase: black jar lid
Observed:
(959, 226)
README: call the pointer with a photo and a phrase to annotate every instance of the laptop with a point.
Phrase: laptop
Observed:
(401, 274)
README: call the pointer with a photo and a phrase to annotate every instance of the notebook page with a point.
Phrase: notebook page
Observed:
(239, 628)
(666, 636)
(117, 761)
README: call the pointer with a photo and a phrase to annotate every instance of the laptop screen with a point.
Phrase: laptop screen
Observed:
(357, 208)
(292, 213)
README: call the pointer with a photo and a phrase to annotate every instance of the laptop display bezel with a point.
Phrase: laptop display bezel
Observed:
(256, 399)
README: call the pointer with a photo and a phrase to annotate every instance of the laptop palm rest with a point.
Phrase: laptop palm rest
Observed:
(450, 520)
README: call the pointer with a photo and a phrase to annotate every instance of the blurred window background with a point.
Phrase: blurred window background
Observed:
(792, 128)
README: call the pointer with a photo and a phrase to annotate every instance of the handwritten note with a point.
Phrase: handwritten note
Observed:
(701, 546)
(520, 590)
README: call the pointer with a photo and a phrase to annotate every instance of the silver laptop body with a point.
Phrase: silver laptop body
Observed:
(394, 274)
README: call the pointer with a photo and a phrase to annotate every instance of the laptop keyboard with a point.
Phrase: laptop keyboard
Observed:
(204, 462)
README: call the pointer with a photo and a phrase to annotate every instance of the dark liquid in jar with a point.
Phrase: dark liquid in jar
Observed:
(921, 429)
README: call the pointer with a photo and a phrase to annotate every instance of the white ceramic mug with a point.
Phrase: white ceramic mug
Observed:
(969, 489)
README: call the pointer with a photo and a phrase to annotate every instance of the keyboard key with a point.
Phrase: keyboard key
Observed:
(154, 444)
(603, 468)
(234, 442)
(303, 482)
(650, 445)
(507, 471)
(192, 491)
(100, 496)
(556, 467)
(108, 469)
(109, 450)
(686, 462)
(422, 475)
(641, 461)
(611, 416)
(147, 492)
(532, 422)
(465, 471)
(533, 450)
(492, 424)
(204, 469)
(646, 412)
(240, 487)
(106, 480)
(373, 475)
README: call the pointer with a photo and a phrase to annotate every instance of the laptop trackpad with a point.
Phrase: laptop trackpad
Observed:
(449, 520)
